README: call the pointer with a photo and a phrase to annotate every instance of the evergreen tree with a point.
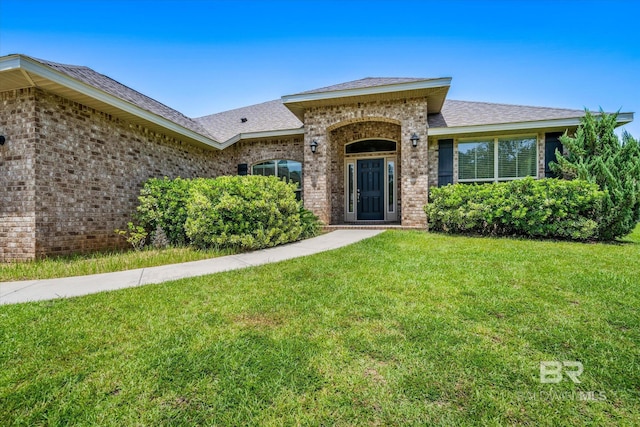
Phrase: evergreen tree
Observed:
(596, 154)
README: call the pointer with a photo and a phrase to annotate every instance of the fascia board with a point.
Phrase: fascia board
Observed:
(374, 90)
(262, 134)
(85, 89)
(623, 118)
(10, 63)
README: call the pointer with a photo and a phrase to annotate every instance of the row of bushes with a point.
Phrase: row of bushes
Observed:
(240, 212)
(549, 208)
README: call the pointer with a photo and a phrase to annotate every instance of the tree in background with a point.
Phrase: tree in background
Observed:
(597, 155)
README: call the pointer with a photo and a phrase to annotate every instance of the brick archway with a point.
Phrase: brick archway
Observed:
(344, 133)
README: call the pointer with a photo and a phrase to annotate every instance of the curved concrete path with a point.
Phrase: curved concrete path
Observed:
(38, 290)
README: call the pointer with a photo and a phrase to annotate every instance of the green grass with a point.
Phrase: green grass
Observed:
(79, 265)
(407, 328)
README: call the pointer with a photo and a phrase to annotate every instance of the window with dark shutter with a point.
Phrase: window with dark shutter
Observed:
(445, 162)
(551, 144)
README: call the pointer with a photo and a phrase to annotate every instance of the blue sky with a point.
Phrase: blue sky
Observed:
(201, 56)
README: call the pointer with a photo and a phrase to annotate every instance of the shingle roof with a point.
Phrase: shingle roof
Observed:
(267, 116)
(468, 113)
(274, 116)
(366, 82)
(117, 89)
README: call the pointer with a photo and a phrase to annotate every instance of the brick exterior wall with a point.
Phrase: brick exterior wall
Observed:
(252, 151)
(18, 122)
(433, 162)
(409, 115)
(85, 173)
(71, 175)
(541, 154)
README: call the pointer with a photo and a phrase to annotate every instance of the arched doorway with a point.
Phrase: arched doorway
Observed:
(371, 180)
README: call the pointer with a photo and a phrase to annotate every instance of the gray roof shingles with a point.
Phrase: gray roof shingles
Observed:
(117, 89)
(267, 116)
(469, 113)
(274, 116)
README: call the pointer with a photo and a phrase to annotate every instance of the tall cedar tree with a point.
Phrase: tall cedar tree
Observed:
(596, 154)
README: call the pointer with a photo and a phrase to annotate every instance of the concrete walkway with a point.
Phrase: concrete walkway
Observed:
(38, 290)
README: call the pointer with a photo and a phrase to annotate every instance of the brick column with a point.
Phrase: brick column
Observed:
(415, 170)
(315, 173)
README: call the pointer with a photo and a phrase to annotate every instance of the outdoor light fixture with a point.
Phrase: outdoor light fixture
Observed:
(414, 140)
(2, 139)
(314, 146)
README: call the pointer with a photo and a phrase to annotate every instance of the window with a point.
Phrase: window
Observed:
(289, 170)
(370, 146)
(391, 172)
(475, 160)
(497, 159)
(350, 179)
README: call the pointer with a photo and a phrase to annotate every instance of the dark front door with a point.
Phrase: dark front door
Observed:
(371, 189)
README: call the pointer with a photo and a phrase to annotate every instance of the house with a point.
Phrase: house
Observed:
(76, 146)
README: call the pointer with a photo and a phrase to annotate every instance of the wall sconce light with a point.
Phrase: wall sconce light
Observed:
(414, 140)
(2, 139)
(314, 146)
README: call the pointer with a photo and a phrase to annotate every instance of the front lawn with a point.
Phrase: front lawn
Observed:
(96, 263)
(404, 328)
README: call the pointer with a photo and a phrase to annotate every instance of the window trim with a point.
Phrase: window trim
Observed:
(275, 163)
(496, 163)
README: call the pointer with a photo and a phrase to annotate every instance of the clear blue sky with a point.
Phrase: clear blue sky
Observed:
(201, 56)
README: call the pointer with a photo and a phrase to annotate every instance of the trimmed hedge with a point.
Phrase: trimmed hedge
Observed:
(245, 212)
(549, 208)
(242, 212)
(163, 204)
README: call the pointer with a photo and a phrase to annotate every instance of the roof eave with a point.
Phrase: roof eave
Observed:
(297, 103)
(262, 134)
(28, 65)
(372, 90)
(622, 119)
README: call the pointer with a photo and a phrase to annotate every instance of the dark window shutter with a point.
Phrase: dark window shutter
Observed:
(243, 169)
(445, 162)
(551, 143)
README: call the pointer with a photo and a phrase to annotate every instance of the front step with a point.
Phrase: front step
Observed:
(370, 225)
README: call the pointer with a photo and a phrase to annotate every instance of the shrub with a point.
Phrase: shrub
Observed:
(135, 235)
(163, 203)
(243, 212)
(535, 208)
(310, 223)
(159, 239)
(595, 154)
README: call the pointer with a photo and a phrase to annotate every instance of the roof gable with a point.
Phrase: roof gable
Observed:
(367, 82)
(371, 89)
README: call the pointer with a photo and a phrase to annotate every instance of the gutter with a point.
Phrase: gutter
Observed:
(622, 119)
